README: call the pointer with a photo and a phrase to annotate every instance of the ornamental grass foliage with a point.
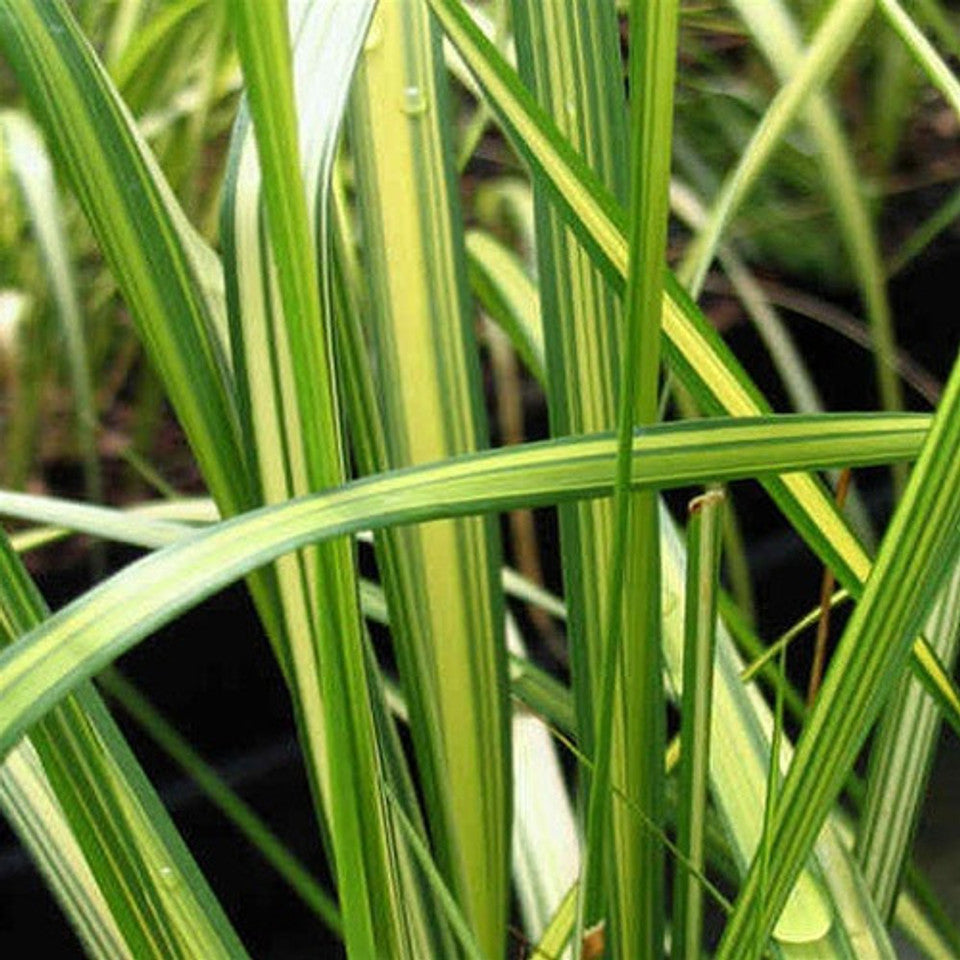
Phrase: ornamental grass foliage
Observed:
(396, 272)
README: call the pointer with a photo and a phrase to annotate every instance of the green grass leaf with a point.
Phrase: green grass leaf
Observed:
(121, 870)
(700, 618)
(327, 669)
(920, 48)
(697, 355)
(920, 546)
(632, 655)
(781, 41)
(106, 621)
(900, 763)
(498, 280)
(219, 793)
(449, 639)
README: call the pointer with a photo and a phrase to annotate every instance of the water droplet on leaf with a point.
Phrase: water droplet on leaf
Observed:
(414, 101)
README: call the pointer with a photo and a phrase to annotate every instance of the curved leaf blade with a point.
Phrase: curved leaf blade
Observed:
(39, 669)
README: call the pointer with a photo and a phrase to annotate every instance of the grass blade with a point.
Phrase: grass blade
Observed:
(557, 934)
(157, 901)
(923, 52)
(346, 767)
(938, 22)
(264, 344)
(698, 356)
(900, 763)
(942, 218)
(143, 65)
(700, 617)
(740, 737)
(105, 621)
(920, 545)
(780, 39)
(504, 290)
(545, 855)
(449, 905)
(568, 53)
(451, 654)
(36, 816)
(217, 791)
(834, 35)
(632, 657)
